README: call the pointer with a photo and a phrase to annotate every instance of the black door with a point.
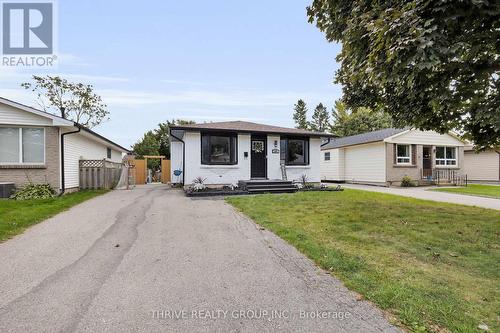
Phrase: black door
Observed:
(427, 161)
(258, 157)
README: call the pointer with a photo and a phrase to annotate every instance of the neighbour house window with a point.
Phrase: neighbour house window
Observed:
(327, 156)
(446, 155)
(403, 154)
(219, 149)
(108, 152)
(295, 151)
(22, 145)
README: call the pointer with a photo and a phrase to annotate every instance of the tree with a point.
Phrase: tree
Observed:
(300, 114)
(74, 101)
(163, 134)
(433, 65)
(319, 119)
(157, 141)
(361, 120)
(148, 145)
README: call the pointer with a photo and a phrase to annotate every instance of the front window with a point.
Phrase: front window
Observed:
(403, 154)
(446, 156)
(218, 149)
(327, 156)
(22, 145)
(295, 151)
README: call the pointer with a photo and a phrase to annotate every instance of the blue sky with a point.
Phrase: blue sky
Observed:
(200, 60)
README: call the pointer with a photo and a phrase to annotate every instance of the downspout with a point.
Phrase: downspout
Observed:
(63, 185)
(183, 155)
(498, 152)
(329, 139)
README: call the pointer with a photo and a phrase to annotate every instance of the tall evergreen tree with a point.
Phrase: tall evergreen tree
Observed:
(319, 119)
(300, 114)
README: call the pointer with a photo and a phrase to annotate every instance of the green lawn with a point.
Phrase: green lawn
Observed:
(16, 216)
(474, 189)
(433, 265)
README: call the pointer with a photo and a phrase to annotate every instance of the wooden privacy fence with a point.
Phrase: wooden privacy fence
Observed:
(99, 174)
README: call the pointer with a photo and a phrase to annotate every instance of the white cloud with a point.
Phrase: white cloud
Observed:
(68, 59)
(188, 98)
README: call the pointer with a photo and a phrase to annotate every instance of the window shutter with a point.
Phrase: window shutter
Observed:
(413, 154)
(395, 153)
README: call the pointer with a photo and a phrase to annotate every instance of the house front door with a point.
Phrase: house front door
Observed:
(258, 157)
(427, 161)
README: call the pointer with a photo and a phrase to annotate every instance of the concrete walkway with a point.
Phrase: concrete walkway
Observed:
(152, 260)
(426, 194)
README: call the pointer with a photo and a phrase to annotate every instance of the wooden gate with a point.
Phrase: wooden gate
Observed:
(165, 171)
(141, 169)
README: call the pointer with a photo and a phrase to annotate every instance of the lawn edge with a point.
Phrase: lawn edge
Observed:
(468, 194)
(391, 317)
(22, 230)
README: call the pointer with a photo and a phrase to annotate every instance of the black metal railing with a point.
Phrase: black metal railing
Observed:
(444, 177)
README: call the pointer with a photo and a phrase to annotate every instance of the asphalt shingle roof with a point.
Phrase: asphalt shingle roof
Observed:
(245, 126)
(363, 138)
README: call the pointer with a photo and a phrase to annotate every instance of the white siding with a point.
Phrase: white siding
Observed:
(176, 160)
(425, 138)
(365, 163)
(12, 116)
(77, 147)
(230, 174)
(312, 171)
(334, 168)
(482, 166)
(273, 160)
(215, 174)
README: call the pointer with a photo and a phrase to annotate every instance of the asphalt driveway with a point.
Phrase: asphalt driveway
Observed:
(152, 260)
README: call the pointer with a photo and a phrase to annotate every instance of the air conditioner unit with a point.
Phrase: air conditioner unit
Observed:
(6, 189)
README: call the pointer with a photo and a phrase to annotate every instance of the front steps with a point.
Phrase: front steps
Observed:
(267, 186)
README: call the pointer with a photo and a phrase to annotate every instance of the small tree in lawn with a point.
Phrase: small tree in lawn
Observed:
(300, 114)
(319, 119)
(73, 101)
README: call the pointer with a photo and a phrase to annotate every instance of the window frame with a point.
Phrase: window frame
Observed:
(409, 157)
(20, 143)
(306, 148)
(445, 159)
(327, 154)
(234, 142)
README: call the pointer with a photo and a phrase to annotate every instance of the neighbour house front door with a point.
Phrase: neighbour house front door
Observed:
(427, 161)
(258, 157)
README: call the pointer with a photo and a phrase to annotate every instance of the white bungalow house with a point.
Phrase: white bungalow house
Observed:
(385, 156)
(42, 148)
(225, 153)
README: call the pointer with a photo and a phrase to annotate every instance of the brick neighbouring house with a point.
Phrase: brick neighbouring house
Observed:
(30, 147)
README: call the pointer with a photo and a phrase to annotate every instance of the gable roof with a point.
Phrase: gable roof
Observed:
(56, 120)
(249, 127)
(367, 137)
(59, 121)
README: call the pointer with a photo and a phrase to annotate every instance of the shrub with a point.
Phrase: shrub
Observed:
(407, 182)
(34, 191)
(199, 184)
